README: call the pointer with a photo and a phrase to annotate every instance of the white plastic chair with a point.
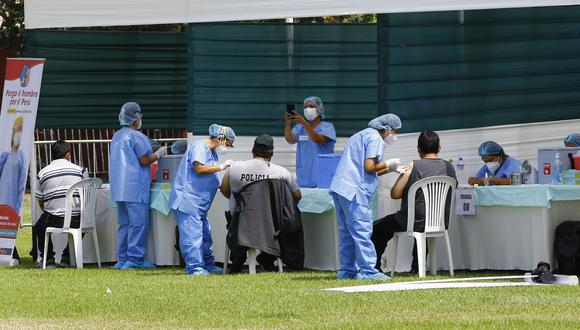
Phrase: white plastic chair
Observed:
(435, 190)
(87, 194)
(252, 254)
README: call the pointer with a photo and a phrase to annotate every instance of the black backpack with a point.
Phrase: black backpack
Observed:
(567, 247)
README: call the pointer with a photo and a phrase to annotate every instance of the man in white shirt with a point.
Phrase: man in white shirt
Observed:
(54, 181)
(243, 173)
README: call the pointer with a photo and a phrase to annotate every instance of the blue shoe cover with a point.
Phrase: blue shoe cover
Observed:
(372, 276)
(118, 265)
(142, 265)
(213, 269)
(344, 275)
(198, 272)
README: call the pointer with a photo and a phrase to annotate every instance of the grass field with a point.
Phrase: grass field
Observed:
(165, 298)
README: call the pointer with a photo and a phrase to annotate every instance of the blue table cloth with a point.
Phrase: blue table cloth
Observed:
(525, 195)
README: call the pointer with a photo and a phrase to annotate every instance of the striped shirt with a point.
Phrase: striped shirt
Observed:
(54, 181)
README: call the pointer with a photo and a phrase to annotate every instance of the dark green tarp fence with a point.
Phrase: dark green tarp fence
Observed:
(436, 70)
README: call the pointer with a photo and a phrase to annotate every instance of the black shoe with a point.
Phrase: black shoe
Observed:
(414, 271)
(267, 262)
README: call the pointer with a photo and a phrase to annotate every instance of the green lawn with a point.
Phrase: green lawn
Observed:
(165, 298)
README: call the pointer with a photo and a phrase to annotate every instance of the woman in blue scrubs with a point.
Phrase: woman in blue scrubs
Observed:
(13, 170)
(352, 187)
(498, 166)
(130, 177)
(314, 137)
(194, 188)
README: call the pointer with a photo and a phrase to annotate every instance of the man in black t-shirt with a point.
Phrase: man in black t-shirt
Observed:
(428, 165)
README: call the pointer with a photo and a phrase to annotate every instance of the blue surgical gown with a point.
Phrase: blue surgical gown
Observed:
(12, 178)
(129, 179)
(509, 166)
(192, 191)
(307, 152)
(351, 181)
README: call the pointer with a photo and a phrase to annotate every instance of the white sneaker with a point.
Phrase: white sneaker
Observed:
(14, 262)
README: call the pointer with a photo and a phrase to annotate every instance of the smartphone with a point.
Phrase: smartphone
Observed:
(290, 108)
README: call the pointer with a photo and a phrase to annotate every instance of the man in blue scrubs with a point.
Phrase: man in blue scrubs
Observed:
(130, 177)
(12, 170)
(352, 187)
(314, 137)
(498, 166)
(194, 188)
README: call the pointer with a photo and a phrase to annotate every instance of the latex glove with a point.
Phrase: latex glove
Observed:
(161, 152)
(226, 164)
(392, 164)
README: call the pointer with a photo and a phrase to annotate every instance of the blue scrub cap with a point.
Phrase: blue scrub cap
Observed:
(573, 138)
(215, 130)
(129, 114)
(318, 102)
(490, 148)
(387, 122)
(179, 147)
(154, 144)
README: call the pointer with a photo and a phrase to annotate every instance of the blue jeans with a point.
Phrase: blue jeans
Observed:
(194, 239)
(133, 220)
(355, 224)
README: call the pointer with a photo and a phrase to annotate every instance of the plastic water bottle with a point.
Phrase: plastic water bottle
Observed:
(557, 171)
(486, 180)
(459, 172)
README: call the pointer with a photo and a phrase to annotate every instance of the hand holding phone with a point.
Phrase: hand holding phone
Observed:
(290, 109)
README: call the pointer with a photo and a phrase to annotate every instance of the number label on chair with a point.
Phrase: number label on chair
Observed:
(464, 201)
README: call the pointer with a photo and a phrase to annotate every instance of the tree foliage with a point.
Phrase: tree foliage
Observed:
(12, 25)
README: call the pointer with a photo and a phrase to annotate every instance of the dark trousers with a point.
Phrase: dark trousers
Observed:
(238, 257)
(383, 230)
(48, 220)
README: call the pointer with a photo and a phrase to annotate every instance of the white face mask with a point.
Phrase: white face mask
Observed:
(390, 139)
(16, 138)
(492, 166)
(310, 113)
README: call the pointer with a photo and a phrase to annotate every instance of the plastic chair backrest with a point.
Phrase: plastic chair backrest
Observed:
(435, 191)
(85, 191)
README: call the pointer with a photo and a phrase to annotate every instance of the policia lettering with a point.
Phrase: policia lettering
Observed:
(250, 177)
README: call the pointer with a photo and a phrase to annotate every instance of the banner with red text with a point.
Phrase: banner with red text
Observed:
(17, 120)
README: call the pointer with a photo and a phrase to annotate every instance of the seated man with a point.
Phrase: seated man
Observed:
(243, 173)
(498, 166)
(428, 165)
(54, 181)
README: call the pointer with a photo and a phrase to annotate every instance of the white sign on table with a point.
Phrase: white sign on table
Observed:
(465, 201)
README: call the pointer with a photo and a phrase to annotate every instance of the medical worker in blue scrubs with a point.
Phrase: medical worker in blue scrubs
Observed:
(572, 140)
(130, 177)
(498, 166)
(352, 187)
(13, 170)
(194, 188)
(314, 137)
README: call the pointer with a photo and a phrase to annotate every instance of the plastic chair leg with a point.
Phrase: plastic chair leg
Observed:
(96, 243)
(46, 238)
(78, 248)
(395, 241)
(420, 238)
(226, 258)
(432, 244)
(449, 255)
(252, 260)
(280, 266)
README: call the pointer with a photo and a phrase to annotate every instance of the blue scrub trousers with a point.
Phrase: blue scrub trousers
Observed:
(133, 220)
(195, 240)
(355, 226)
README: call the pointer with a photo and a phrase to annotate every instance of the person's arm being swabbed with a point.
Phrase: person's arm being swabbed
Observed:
(399, 187)
(225, 187)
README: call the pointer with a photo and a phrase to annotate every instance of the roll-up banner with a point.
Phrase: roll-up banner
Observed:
(17, 122)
